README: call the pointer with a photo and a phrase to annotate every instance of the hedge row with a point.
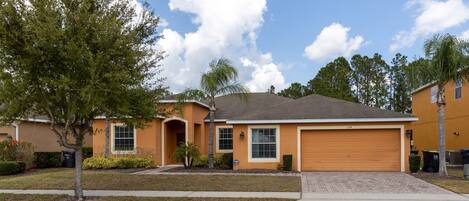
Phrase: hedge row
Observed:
(117, 162)
(11, 167)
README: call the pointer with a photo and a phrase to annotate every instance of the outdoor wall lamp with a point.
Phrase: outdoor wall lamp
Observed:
(456, 133)
(241, 135)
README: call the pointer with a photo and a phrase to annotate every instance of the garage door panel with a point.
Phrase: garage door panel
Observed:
(350, 150)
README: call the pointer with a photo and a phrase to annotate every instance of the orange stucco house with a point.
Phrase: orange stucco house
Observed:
(322, 134)
(425, 130)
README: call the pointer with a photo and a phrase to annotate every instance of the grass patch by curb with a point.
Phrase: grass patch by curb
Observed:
(453, 182)
(109, 180)
(11, 197)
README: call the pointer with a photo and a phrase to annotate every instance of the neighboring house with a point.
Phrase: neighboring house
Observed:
(322, 134)
(425, 130)
(37, 132)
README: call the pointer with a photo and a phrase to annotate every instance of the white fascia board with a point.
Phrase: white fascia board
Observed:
(186, 101)
(216, 120)
(36, 120)
(104, 117)
(349, 120)
(423, 87)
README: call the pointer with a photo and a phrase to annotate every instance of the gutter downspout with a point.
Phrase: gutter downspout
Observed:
(17, 131)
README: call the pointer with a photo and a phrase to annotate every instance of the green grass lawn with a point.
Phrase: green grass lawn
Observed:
(8, 197)
(109, 180)
(454, 181)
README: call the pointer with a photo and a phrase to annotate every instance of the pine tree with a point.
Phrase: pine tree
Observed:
(333, 80)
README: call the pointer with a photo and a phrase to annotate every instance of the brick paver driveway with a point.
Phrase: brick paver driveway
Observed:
(365, 182)
(370, 186)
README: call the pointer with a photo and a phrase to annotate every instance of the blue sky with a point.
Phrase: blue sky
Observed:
(267, 40)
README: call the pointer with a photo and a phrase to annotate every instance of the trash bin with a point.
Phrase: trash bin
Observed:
(465, 158)
(68, 159)
(431, 161)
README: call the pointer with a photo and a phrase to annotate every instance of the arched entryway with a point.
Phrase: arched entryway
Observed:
(174, 132)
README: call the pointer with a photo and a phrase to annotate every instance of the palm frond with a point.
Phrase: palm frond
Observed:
(235, 88)
(449, 59)
(221, 74)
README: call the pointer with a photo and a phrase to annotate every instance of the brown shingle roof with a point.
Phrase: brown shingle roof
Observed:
(265, 106)
(230, 106)
(319, 107)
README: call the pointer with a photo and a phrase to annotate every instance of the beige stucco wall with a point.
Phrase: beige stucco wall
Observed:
(40, 135)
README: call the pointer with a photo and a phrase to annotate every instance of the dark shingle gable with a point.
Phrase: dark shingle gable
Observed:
(265, 106)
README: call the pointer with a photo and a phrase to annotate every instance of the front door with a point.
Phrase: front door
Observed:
(180, 138)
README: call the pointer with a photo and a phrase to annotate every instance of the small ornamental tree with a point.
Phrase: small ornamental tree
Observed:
(75, 60)
(186, 153)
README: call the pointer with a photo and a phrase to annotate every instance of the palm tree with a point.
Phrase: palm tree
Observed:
(448, 61)
(221, 79)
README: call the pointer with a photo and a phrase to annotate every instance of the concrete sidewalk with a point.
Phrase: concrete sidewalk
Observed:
(198, 194)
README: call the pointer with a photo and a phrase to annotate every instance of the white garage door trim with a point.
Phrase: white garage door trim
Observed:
(303, 128)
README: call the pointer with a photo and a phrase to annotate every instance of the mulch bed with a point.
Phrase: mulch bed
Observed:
(217, 170)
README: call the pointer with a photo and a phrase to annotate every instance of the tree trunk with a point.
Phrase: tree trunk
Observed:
(78, 174)
(441, 130)
(210, 136)
(107, 134)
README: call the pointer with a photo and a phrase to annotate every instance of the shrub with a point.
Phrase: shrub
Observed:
(189, 151)
(202, 161)
(48, 159)
(117, 163)
(8, 150)
(287, 162)
(10, 167)
(218, 161)
(25, 154)
(87, 152)
(414, 163)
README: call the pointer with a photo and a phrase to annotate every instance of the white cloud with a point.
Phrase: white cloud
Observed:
(163, 23)
(265, 73)
(224, 29)
(433, 17)
(333, 41)
(465, 35)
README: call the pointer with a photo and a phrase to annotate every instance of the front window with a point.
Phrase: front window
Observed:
(264, 144)
(124, 138)
(458, 89)
(225, 139)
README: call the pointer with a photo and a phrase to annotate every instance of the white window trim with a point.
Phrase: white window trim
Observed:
(303, 128)
(277, 138)
(434, 100)
(113, 151)
(218, 137)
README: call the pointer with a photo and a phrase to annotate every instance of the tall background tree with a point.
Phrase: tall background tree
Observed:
(69, 60)
(399, 88)
(221, 79)
(295, 90)
(271, 90)
(333, 80)
(369, 79)
(449, 60)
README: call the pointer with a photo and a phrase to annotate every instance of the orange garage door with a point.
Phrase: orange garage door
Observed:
(350, 150)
